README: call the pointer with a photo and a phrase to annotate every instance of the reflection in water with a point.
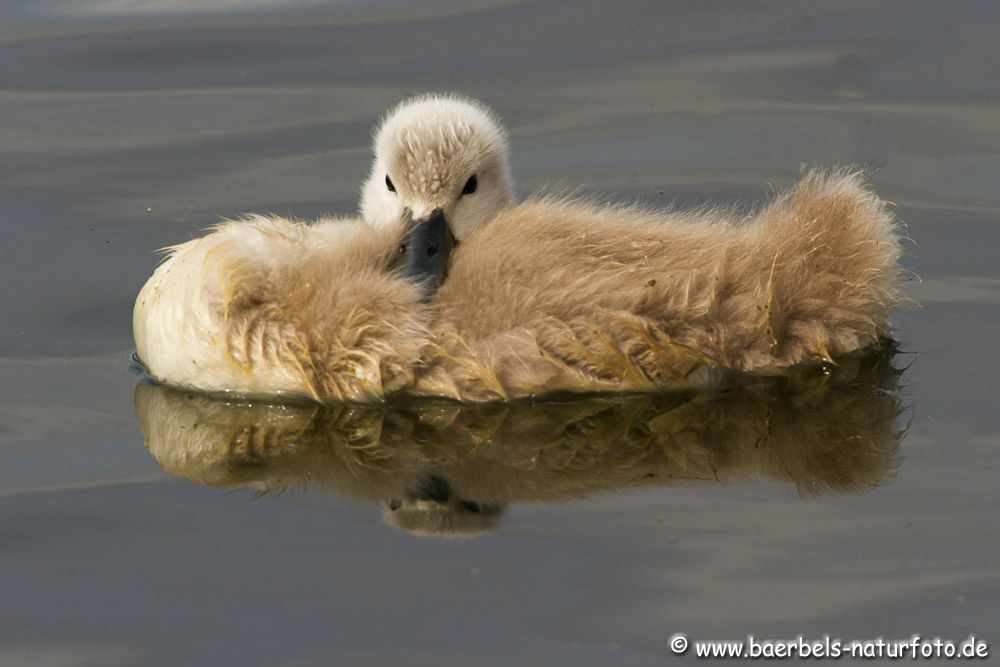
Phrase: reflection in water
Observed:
(439, 468)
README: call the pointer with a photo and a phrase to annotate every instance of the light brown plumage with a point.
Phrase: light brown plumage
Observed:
(267, 306)
(564, 296)
(545, 296)
(549, 296)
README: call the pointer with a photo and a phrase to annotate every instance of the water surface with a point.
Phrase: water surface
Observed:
(126, 126)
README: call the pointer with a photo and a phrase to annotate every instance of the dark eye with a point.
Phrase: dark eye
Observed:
(470, 185)
(392, 188)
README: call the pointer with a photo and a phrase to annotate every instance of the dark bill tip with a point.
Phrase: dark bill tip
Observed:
(426, 251)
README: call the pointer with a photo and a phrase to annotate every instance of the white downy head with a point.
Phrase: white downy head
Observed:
(438, 154)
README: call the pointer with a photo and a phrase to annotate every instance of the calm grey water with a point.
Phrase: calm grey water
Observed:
(127, 126)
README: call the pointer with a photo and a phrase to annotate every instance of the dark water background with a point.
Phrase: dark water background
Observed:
(128, 126)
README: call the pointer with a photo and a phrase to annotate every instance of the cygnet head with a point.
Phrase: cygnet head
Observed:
(433, 509)
(442, 157)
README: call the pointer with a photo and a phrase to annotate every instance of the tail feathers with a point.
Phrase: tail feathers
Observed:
(832, 247)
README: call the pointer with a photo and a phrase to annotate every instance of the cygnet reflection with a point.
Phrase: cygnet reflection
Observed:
(445, 469)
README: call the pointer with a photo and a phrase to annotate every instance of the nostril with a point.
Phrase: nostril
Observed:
(432, 250)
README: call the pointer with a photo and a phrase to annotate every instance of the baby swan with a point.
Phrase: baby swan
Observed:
(336, 309)
(544, 296)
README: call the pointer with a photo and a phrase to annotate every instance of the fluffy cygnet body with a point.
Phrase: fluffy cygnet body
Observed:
(267, 305)
(545, 296)
(557, 295)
